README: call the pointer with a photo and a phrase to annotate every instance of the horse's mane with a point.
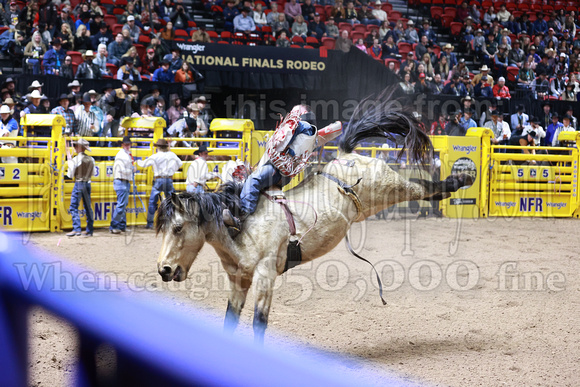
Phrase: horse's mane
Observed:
(383, 117)
(199, 208)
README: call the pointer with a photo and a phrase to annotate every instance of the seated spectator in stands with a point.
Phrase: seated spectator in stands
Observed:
(501, 132)
(166, 9)
(132, 53)
(260, 18)
(490, 16)
(168, 33)
(175, 111)
(411, 35)
(34, 106)
(163, 74)
(390, 49)
(308, 10)
(103, 36)
(128, 71)
(282, 25)
(569, 112)
(371, 36)
(552, 128)
(385, 31)
(532, 128)
(201, 35)
(541, 86)
(150, 63)
(134, 30)
(54, 58)
(83, 20)
(66, 37)
(63, 109)
(555, 24)
(184, 74)
(460, 69)
(483, 70)
(34, 51)
(569, 94)
(558, 85)
(299, 28)
(174, 59)
(453, 128)
(570, 26)
(467, 121)
(202, 129)
(366, 17)
(343, 43)
(82, 39)
(490, 49)
(423, 86)
(331, 28)
(442, 67)
(100, 59)
(338, 12)
(292, 9)
(565, 127)
(406, 85)
(421, 47)
(519, 120)
(516, 56)
(316, 28)
(455, 87)
(179, 18)
(378, 13)
(272, 17)
(468, 86)
(116, 50)
(451, 57)
(500, 61)
(562, 64)
(282, 40)
(427, 31)
(393, 68)
(94, 26)
(360, 44)
(375, 51)
(87, 69)
(524, 26)
(540, 24)
(409, 65)
(230, 12)
(437, 85)
(438, 127)
(503, 16)
(351, 14)
(500, 90)
(66, 69)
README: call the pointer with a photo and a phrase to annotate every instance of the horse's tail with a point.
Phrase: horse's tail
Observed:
(383, 117)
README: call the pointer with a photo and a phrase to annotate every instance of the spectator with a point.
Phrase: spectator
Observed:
(573, 120)
(66, 37)
(316, 28)
(116, 50)
(460, 69)
(272, 17)
(501, 61)
(176, 111)
(411, 35)
(378, 13)
(83, 20)
(34, 51)
(66, 69)
(351, 14)
(103, 36)
(54, 58)
(385, 31)
(150, 63)
(128, 71)
(390, 49)
(202, 129)
(163, 74)
(281, 25)
(338, 11)
(428, 32)
(331, 28)
(558, 85)
(570, 95)
(524, 25)
(541, 86)
(501, 90)
(526, 76)
(455, 87)
(406, 85)
(503, 16)
(501, 132)
(87, 69)
(94, 26)
(516, 56)
(544, 66)
(308, 10)
(63, 109)
(282, 40)
(533, 128)
(201, 35)
(174, 59)
(437, 85)
(343, 43)
(421, 48)
(179, 18)
(166, 9)
(422, 86)
(366, 17)
(562, 64)
(100, 59)
(442, 67)
(184, 74)
(555, 24)
(260, 18)
(438, 127)
(360, 44)
(489, 17)
(453, 128)
(519, 120)
(398, 32)
(230, 12)
(299, 28)
(134, 30)
(168, 33)
(82, 39)
(554, 127)
(466, 121)
(375, 51)
(451, 57)
(540, 24)
(292, 9)
(159, 49)
(490, 49)
(468, 85)
(565, 127)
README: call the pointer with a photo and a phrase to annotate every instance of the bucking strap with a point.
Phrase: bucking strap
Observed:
(351, 250)
(287, 212)
(347, 190)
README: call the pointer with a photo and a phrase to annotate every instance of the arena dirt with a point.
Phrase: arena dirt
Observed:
(488, 335)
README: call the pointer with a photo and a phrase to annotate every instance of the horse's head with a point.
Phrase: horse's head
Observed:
(183, 221)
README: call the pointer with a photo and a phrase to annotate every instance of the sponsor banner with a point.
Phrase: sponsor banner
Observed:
(103, 212)
(530, 205)
(24, 214)
(221, 57)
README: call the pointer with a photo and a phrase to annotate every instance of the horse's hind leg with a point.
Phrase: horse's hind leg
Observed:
(438, 190)
(236, 302)
(264, 277)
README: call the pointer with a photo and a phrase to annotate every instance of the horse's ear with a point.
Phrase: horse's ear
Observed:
(175, 200)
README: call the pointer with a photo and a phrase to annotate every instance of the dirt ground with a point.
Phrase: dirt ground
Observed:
(489, 302)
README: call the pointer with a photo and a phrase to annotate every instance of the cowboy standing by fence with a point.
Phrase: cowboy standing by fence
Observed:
(165, 163)
(122, 175)
(81, 168)
(198, 174)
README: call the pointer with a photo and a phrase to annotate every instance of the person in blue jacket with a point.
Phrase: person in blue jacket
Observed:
(54, 57)
(163, 74)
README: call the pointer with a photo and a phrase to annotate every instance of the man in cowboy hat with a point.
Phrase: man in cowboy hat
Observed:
(69, 116)
(8, 128)
(163, 74)
(86, 119)
(33, 108)
(123, 170)
(198, 173)
(127, 71)
(519, 120)
(411, 35)
(205, 113)
(82, 169)
(11, 104)
(183, 127)
(451, 57)
(165, 163)
(74, 88)
(10, 84)
(87, 69)
(54, 58)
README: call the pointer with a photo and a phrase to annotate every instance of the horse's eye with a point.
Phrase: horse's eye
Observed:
(177, 228)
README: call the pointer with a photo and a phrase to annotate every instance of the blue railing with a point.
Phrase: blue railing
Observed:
(154, 345)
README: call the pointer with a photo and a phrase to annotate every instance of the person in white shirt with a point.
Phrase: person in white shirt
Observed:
(81, 168)
(198, 173)
(229, 169)
(86, 119)
(377, 12)
(566, 128)
(165, 163)
(501, 135)
(520, 119)
(122, 177)
(182, 128)
(533, 127)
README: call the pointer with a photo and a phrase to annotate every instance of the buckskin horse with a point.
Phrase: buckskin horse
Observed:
(346, 190)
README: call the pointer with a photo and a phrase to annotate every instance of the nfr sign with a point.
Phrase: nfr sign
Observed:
(6, 215)
(531, 204)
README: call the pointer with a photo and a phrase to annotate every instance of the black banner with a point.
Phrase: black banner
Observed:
(221, 57)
